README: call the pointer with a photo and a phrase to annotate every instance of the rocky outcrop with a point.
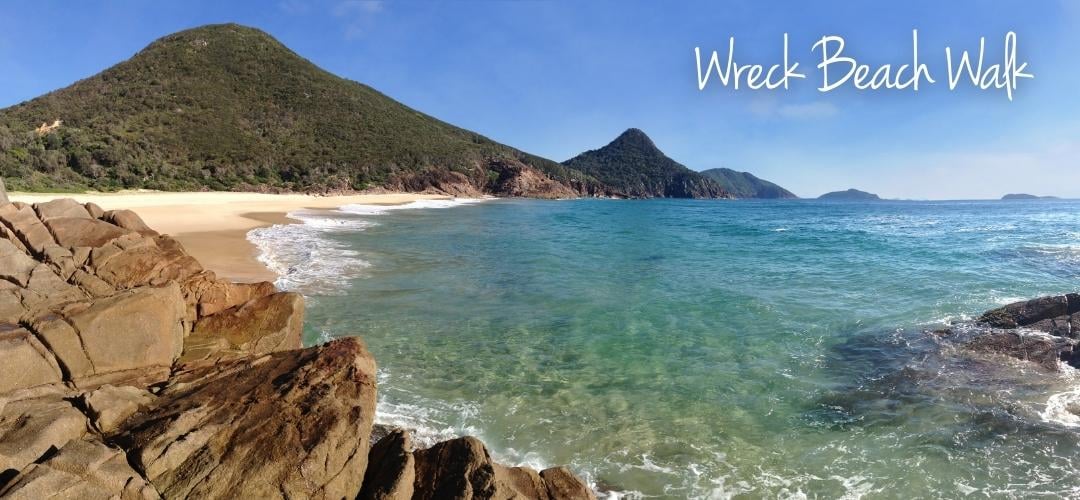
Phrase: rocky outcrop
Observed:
(263, 325)
(458, 469)
(131, 372)
(1043, 330)
(1055, 315)
(85, 468)
(288, 425)
(519, 180)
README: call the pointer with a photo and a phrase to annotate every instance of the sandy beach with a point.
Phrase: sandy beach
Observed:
(213, 226)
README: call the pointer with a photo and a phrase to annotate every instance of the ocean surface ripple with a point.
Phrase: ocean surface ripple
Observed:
(707, 349)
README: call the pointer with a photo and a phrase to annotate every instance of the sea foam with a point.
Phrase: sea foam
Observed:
(309, 260)
(305, 256)
(358, 209)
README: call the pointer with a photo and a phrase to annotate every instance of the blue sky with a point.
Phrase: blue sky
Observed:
(558, 77)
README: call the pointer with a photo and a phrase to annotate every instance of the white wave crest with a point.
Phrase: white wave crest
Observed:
(1063, 408)
(308, 260)
(357, 209)
(304, 259)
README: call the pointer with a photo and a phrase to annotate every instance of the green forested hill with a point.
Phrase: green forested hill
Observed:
(746, 185)
(634, 166)
(227, 107)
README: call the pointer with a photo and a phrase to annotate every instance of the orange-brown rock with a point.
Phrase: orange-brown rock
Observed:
(136, 328)
(109, 406)
(23, 222)
(61, 207)
(128, 220)
(208, 295)
(33, 421)
(267, 324)
(82, 468)
(292, 424)
(391, 468)
(83, 231)
(134, 260)
(459, 469)
(24, 361)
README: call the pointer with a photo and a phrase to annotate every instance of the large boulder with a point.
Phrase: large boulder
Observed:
(133, 329)
(1028, 312)
(292, 424)
(462, 469)
(34, 421)
(108, 406)
(64, 343)
(391, 468)
(15, 264)
(61, 207)
(83, 231)
(9, 235)
(46, 291)
(24, 361)
(208, 295)
(133, 260)
(83, 468)
(128, 220)
(561, 483)
(23, 221)
(267, 324)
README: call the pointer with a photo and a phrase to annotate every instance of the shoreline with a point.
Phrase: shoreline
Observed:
(213, 226)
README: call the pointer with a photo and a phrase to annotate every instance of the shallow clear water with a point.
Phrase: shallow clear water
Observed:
(707, 348)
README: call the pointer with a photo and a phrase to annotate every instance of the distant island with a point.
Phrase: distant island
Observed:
(1025, 196)
(747, 185)
(850, 194)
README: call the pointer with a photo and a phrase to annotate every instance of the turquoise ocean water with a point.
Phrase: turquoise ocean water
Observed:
(707, 349)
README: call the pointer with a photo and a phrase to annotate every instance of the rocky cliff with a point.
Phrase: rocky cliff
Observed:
(129, 371)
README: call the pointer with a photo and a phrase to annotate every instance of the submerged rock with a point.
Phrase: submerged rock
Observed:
(131, 372)
(1044, 350)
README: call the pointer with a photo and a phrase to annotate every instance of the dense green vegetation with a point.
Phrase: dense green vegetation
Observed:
(850, 194)
(634, 166)
(227, 107)
(746, 185)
